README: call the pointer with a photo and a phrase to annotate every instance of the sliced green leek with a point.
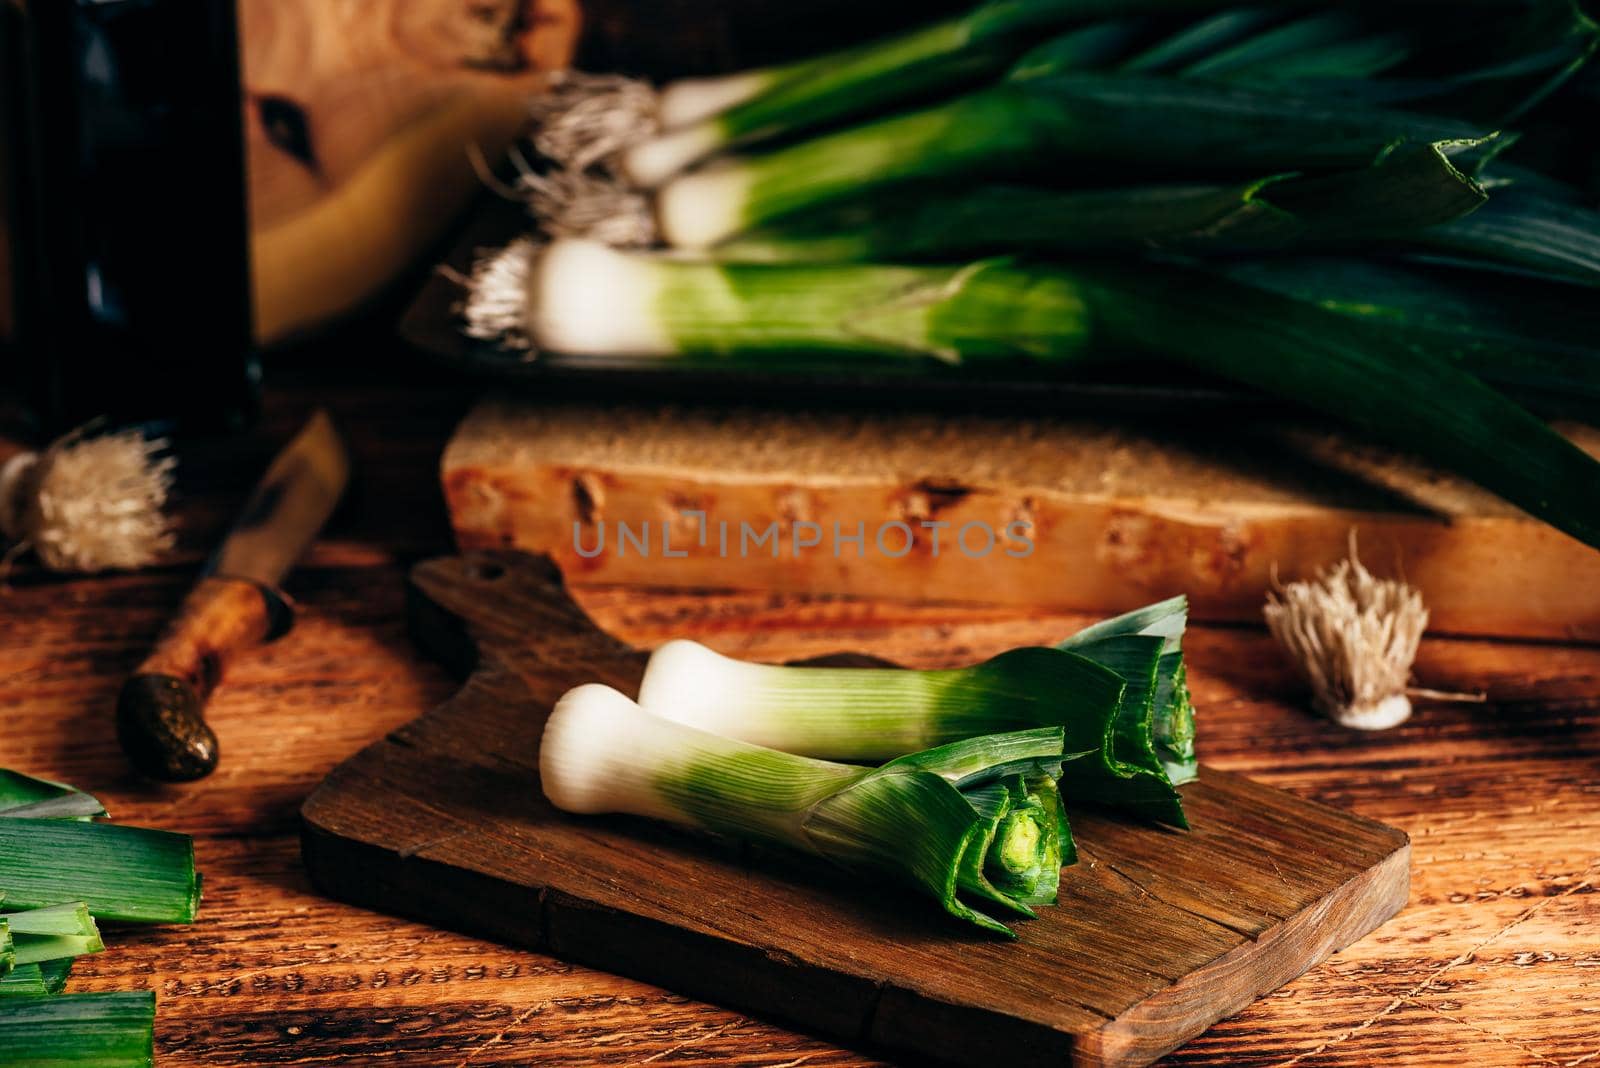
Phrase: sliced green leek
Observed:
(48, 977)
(79, 1030)
(122, 873)
(23, 796)
(975, 824)
(52, 933)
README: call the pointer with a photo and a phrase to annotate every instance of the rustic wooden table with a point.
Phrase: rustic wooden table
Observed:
(1496, 960)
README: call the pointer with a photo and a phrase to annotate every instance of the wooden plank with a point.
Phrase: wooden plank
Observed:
(1158, 934)
(1116, 517)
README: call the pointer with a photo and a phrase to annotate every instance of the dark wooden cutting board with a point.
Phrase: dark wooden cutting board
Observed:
(1158, 933)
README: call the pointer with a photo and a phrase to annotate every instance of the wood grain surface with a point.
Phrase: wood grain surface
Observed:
(1494, 962)
(1156, 936)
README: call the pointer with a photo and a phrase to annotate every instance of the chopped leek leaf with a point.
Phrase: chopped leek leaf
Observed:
(23, 980)
(971, 823)
(79, 1030)
(122, 873)
(53, 932)
(23, 796)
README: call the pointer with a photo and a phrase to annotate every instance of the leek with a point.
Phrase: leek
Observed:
(121, 873)
(1029, 126)
(873, 714)
(613, 303)
(79, 1030)
(974, 823)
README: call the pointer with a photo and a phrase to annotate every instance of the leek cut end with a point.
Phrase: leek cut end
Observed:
(581, 738)
(650, 164)
(695, 99)
(699, 210)
(585, 299)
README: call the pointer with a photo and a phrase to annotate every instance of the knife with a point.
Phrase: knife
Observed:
(235, 605)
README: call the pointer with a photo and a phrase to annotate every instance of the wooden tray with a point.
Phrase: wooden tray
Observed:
(1158, 934)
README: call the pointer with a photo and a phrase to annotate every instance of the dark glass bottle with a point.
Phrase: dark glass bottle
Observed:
(127, 223)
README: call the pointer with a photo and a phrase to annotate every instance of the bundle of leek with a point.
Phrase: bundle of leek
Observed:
(975, 823)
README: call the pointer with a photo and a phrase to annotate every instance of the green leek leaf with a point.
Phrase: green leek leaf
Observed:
(122, 873)
(79, 1030)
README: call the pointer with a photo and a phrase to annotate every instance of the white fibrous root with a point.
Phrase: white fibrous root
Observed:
(90, 503)
(496, 305)
(584, 120)
(593, 207)
(1354, 637)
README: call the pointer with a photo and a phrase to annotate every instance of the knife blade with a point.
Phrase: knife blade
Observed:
(236, 604)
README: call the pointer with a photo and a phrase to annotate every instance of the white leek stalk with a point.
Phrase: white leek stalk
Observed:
(977, 822)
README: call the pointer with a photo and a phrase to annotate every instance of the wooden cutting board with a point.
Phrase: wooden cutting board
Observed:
(1121, 511)
(1158, 933)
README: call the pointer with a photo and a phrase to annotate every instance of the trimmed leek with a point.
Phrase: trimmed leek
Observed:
(122, 873)
(873, 714)
(1029, 126)
(975, 823)
(23, 796)
(631, 304)
(79, 1030)
(53, 933)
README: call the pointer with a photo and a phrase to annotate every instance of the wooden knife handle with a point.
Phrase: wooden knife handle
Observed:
(161, 712)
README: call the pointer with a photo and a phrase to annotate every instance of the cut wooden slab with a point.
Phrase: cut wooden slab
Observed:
(1118, 512)
(1158, 934)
